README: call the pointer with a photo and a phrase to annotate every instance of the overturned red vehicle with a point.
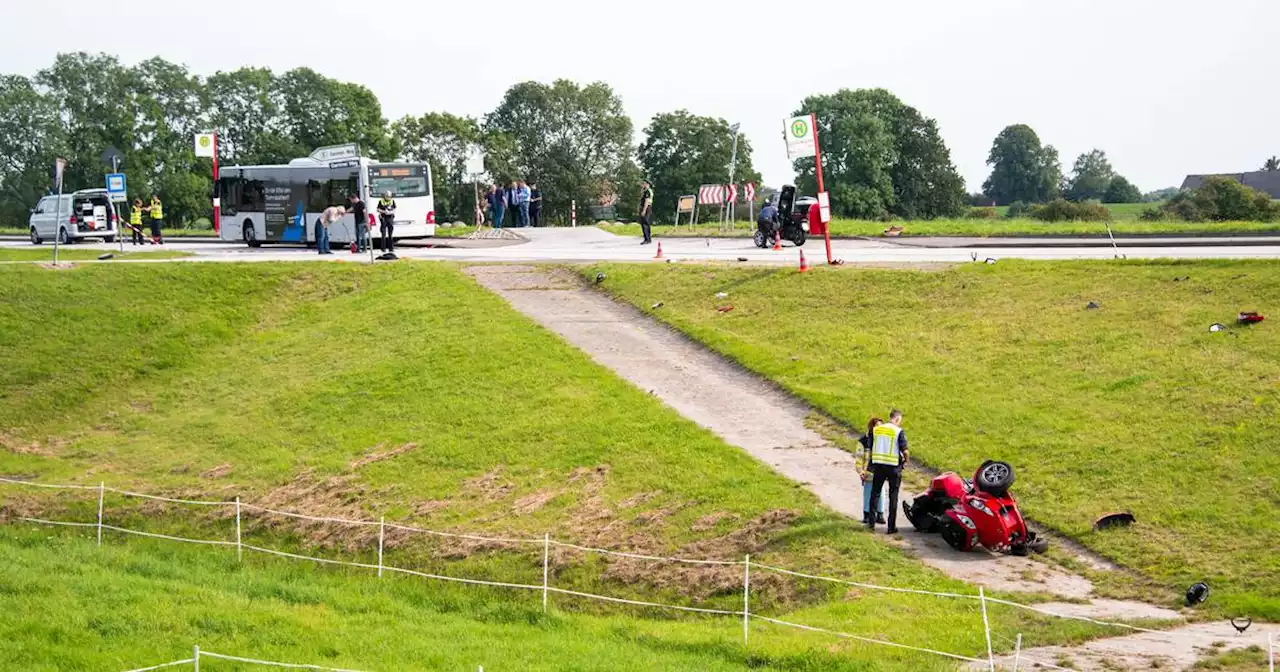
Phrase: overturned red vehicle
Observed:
(978, 512)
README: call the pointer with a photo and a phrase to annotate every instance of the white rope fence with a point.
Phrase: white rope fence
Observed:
(546, 542)
(197, 654)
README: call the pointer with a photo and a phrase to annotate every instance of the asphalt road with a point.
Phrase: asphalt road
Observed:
(587, 244)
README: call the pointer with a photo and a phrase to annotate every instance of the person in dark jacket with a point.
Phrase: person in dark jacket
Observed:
(535, 205)
(889, 454)
(358, 209)
(864, 472)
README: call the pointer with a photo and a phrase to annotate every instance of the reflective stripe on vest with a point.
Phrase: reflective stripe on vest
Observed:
(884, 447)
(157, 210)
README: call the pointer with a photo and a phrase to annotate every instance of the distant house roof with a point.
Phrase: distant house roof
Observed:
(1265, 181)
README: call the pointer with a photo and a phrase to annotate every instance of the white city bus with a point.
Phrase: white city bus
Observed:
(269, 204)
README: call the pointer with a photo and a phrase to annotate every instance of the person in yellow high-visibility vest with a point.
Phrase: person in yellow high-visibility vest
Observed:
(135, 222)
(888, 455)
(157, 219)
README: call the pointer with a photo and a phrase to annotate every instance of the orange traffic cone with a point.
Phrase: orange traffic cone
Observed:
(353, 247)
(804, 265)
(777, 243)
(659, 254)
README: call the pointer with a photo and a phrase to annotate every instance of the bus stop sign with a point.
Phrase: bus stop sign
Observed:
(116, 189)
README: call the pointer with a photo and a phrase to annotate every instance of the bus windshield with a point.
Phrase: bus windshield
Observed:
(403, 181)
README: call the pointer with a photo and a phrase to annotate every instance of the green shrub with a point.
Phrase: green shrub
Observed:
(1061, 210)
(1152, 215)
(1222, 199)
(1017, 209)
(982, 213)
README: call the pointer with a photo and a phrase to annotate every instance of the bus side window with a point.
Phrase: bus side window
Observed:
(229, 195)
(252, 197)
(317, 195)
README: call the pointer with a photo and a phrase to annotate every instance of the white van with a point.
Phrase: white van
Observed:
(82, 214)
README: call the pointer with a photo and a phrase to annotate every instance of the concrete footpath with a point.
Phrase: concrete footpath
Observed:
(771, 425)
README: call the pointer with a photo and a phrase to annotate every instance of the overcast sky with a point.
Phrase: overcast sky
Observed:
(1165, 87)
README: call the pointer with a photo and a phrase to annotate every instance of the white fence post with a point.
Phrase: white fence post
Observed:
(1017, 652)
(1271, 652)
(239, 548)
(546, 560)
(746, 599)
(986, 627)
(102, 487)
(196, 656)
(382, 527)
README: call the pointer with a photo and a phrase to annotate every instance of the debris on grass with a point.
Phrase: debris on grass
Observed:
(104, 257)
(1251, 317)
(379, 455)
(216, 472)
(709, 521)
(724, 309)
(1093, 305)
(1216, 327)
(656, 306)
(1241, 624)
(532, 502)
(490, 486)
(1119, 519)
(722, 295)
(1197, 593)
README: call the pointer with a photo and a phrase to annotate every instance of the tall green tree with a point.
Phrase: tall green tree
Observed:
(1021, 168)
(1272, 164)
(30, 139)
(442, 140)
(575, 141)
(93, 94)
(858, 154)
(682, 151)
(246, 109)
(320, 111)
(1122, 190)
(1091, 176)
(882, 157)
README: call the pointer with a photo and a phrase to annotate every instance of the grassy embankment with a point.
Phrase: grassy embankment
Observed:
(1133, 406)
(405, 391)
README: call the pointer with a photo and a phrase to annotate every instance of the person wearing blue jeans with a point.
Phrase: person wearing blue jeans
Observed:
(523, 196)
(864, 471)
(497, 206)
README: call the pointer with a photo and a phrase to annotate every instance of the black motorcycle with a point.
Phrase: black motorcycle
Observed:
(789, 219)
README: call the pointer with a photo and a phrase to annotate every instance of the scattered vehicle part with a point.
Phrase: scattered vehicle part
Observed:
(1251, 317)
(1118, 519)
(1241, 628)
(1197, 593)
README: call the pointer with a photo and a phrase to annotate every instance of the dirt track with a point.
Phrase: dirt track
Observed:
(771, 425)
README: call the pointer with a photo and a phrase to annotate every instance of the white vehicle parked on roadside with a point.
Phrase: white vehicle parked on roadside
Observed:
(82, 214)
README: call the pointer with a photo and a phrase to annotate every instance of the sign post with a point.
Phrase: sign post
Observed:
(802, 141)
(117, 192)
(207, 145)
(475, 169)
(733, 163)
(59, 167)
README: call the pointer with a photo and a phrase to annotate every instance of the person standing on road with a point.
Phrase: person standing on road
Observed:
(330, 215)
(361, 215)
(157, 219)
(497, 205)
(535, 205)
(387, 221)
(888, 455)
(522, 202)
(513, 203)
(864, 472)
(135, 223)
(646, 212)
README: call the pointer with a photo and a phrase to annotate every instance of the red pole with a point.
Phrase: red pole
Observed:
(817, 159)
(218, 204)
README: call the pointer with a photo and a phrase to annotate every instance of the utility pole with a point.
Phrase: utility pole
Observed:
(733, 164)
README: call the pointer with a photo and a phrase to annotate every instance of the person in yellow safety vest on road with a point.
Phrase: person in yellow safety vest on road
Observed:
(157, 219)
(888, 455)
(387, 221)
(135, 222)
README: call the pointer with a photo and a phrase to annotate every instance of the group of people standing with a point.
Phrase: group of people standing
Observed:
(523, 200)
(386, 223)
(154, 212)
